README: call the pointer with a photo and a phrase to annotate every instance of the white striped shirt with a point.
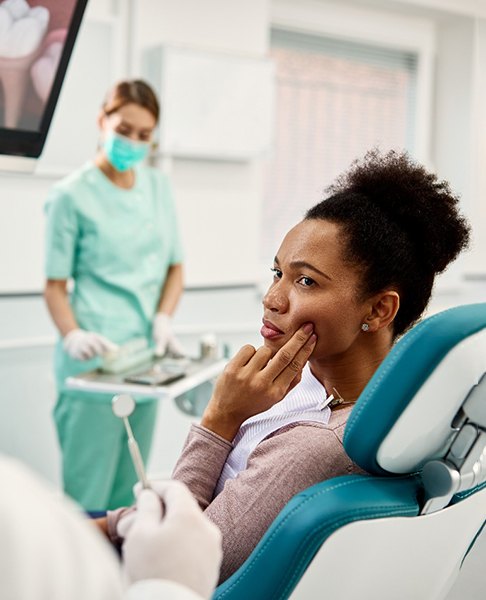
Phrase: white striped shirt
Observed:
(304, 403)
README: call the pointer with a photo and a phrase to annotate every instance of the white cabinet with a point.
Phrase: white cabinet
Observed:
(215, 105)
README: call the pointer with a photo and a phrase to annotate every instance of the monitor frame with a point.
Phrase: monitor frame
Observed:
(29, 144)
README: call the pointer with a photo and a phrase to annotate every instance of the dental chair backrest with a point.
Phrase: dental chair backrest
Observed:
(402, 532)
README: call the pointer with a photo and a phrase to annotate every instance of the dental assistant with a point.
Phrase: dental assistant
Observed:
(112, 230)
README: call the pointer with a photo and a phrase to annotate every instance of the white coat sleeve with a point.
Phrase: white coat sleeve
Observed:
(48, 548)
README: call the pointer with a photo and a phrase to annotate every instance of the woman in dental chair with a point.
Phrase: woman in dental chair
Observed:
(349, 279)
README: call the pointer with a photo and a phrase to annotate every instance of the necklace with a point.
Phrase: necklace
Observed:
(337, 400)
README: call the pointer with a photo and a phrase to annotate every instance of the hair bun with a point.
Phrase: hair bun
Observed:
(416, 201)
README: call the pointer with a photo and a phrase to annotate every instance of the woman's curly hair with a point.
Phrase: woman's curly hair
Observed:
(402, 226)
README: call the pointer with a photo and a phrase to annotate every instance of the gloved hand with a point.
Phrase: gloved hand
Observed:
(82, 345)
(168, 537)
(165, 340)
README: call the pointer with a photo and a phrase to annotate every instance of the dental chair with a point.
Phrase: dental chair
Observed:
(403, 531)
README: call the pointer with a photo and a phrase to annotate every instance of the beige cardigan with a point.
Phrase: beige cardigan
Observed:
(285, 463)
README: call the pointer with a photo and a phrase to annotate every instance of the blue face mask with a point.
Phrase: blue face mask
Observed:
(122, 152)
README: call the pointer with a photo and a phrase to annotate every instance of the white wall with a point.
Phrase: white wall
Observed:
(219, 201)
(223, 25)
(477, 206)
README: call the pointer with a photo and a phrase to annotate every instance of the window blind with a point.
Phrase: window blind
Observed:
(335, 99)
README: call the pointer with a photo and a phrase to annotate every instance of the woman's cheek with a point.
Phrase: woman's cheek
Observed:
(275, 345)
(321, 342)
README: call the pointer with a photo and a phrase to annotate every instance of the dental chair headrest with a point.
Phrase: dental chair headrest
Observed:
(403, 417)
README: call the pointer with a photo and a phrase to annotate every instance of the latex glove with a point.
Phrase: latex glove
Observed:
(165, 340)
(82, 345)
(169, 537)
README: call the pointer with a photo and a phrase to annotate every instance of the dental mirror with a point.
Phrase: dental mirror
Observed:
(123, 405)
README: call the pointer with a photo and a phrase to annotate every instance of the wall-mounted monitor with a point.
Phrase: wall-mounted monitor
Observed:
(36, 41)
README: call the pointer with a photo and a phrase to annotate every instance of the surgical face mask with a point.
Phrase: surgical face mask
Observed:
(122, 152)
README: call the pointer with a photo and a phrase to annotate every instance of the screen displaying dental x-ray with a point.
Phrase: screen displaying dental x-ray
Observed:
(36, 40)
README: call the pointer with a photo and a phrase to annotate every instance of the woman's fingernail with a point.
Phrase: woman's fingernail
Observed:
(308, 327)
(313, 338)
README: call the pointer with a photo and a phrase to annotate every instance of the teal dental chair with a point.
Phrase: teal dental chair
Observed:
(403, 531)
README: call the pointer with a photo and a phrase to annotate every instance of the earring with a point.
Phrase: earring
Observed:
(365, 327)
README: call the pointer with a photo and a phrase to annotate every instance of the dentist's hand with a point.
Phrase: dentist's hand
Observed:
(168, 537)
(254, 380)
(82, 345)
(164, 338)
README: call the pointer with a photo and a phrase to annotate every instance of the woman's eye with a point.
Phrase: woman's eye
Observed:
(277, 273)
(306, 281)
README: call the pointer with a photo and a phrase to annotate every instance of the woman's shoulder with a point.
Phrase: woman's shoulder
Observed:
(154, 181)
(335, 426)
(152, 174)
(312, 448)
(304, 432)
(74, 183)
(301, 436)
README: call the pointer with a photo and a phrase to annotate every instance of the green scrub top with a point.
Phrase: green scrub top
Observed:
(116, 245)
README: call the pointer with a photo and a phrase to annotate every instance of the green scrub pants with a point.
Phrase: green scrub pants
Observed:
(97, 468)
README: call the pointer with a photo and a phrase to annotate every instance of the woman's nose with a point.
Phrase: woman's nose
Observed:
(275, 299)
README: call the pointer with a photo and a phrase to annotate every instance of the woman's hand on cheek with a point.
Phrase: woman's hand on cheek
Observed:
(254, 380)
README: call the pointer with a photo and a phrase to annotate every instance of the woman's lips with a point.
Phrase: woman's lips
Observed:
(269, 331)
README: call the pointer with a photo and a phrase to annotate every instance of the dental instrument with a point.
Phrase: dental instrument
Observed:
(129, 355)
(123, 405)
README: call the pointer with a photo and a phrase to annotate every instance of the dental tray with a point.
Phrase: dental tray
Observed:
(132, 354)
(163, 371)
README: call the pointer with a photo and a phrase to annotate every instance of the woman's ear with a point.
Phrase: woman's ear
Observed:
(101, 119)
(384, 307)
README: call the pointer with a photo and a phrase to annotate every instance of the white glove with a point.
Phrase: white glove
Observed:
(165, 340)
(82, 345)
(169, 537)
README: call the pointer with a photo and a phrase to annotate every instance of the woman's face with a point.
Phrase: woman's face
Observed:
(132, 121)
(312, 283)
